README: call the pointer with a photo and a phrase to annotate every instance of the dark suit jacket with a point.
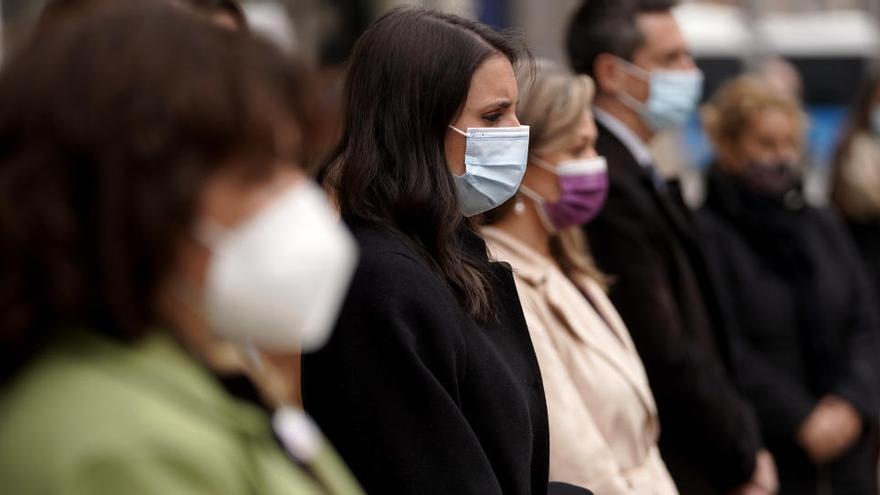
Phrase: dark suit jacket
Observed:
(664, 291)
(417, 396)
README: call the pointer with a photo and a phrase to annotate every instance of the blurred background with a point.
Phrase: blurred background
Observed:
(817, 48)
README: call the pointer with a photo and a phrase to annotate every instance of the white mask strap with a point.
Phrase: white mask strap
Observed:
(548, 225)
(541, 163)
(456, 129)
(531, 194)
(635, 70)
(630, 102)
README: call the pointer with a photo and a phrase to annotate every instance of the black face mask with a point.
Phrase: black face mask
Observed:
(776, 179)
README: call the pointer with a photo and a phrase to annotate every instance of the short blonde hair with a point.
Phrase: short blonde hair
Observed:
(728, 113)
(552, 101)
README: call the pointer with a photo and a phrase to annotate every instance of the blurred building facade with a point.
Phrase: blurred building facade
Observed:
(829, 43)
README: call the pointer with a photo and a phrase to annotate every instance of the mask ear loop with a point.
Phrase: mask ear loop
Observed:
(544, 164)
(539, 202)
(627, 99)
(456, 129)
(635, 70)
(537, 198)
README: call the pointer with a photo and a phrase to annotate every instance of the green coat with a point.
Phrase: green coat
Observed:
(91, 416)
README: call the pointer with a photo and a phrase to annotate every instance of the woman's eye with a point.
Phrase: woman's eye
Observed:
(492, 117)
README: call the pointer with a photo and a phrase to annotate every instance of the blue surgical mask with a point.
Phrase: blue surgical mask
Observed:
(673, 97)
(875, 120)
(495, 160)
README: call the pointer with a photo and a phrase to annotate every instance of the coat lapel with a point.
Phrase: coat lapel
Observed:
(566, 301)
(587, 323)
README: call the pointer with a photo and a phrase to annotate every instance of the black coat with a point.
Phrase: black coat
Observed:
(806, 321)
(645, 240)
(418, 397)
(866, 235)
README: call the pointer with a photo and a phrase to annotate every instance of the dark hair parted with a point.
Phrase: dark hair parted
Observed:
(111, 124)
(408, 79)
(607, 26)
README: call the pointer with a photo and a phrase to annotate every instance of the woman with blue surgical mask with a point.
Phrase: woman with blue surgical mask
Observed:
(855, 185)
(603, 419)
(430, 384)
(165, 260)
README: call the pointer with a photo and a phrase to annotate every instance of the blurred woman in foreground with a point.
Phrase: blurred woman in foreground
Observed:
(158, 244)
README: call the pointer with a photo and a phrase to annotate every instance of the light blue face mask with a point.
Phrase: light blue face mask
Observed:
(495, 161)
(673, 97)
(875, 120)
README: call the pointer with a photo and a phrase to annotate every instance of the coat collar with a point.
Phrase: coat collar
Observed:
(527, 263)
(615, 345)
(633, 143)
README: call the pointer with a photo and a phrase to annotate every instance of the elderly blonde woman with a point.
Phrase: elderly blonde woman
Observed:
(603, 420)
(808, 333)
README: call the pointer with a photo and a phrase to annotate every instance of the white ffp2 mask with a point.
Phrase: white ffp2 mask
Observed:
(277, 281)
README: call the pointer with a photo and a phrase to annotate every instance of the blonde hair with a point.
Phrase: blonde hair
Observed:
(552, 101)
(728, 113)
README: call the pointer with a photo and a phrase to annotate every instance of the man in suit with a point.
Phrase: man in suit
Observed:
(648, 82)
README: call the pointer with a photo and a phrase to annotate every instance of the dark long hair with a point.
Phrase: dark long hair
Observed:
(111, 124)
(408, 78)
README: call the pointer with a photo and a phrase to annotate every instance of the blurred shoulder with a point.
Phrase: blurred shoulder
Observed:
(90, 408)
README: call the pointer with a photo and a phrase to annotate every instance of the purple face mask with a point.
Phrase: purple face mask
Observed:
(584, 185)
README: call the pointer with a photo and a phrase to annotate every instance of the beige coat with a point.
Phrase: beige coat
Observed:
(603, 419)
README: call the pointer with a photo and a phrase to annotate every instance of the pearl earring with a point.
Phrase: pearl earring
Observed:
(519, 208)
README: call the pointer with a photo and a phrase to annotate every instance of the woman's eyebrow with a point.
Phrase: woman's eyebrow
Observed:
(498, 104)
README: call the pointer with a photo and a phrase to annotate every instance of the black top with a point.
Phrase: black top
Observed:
(866, 235)
(418, 397)
(663, 289)
(805, 312)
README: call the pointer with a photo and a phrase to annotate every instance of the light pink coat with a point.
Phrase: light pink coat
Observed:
(603, 419)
